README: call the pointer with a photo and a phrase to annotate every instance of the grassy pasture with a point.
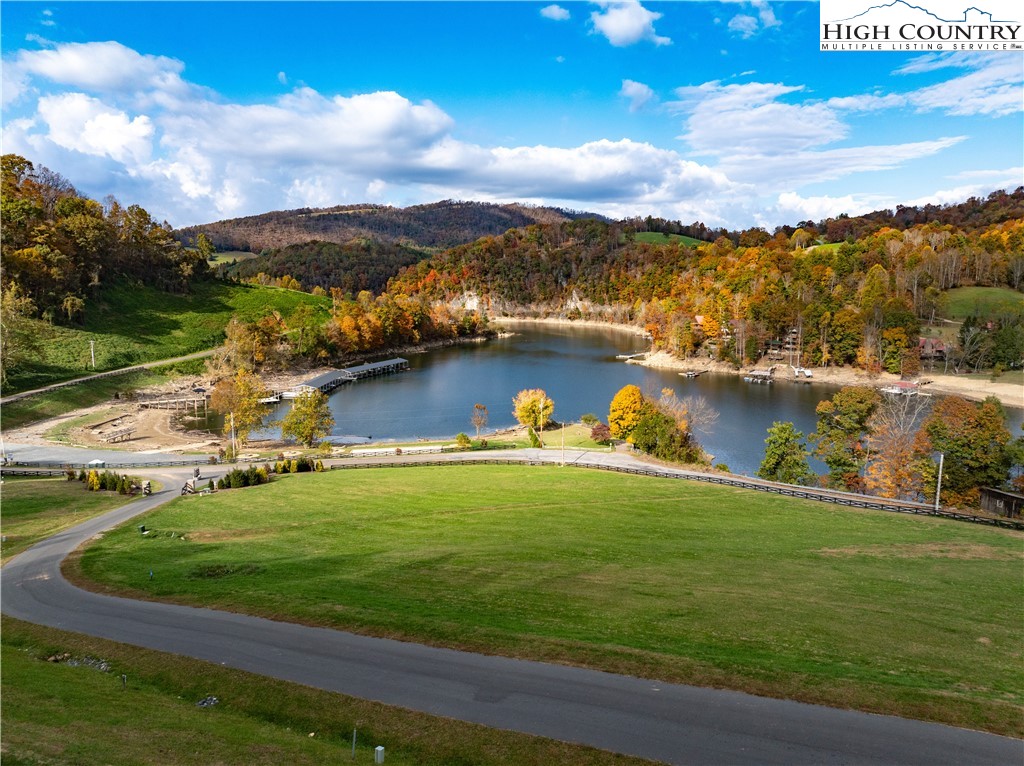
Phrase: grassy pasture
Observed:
(130, 325)
(659, 238)
(658, 578)
(982, 302)
(72, 713)
(32, 509)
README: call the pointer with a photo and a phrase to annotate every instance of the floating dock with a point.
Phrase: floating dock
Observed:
(328, 381)
(760, 376)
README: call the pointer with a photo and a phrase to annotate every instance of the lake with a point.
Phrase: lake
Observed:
(577, 368)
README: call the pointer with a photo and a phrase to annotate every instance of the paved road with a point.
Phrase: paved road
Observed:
(667, 722)
(107, 374)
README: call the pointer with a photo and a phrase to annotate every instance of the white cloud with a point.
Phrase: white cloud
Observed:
(791, 207)
(76, 121)
(744, 25)
(282, 78)
(107, 67)
(747, 26)
(626, 22)
(993, 88)
(748, 119)
(555, 13)
(639, 95)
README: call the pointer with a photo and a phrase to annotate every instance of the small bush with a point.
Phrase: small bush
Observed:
(601, 433)
(722, 467)
(534, 439)
(590, 419)
(463, 441)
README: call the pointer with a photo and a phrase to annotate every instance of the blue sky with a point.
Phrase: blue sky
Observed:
(726, 112)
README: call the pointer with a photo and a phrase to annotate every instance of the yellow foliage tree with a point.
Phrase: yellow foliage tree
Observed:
(624, 411)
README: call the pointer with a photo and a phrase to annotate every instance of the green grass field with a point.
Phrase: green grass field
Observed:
(72, 712)
(658, 238)
(982, 302)
(32, 509)
(665, 579)
(130, 325)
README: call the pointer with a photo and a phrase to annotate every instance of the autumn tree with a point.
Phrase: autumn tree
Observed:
(892, 468)
(624, 411)
(309, 420)
(532, 407)
(479, 418)
(841, 430)
(785, 456)
(974, 439)
(18, 340)
(239, 398)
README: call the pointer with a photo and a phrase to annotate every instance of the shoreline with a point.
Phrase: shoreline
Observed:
(1009, 394)
(593, 324)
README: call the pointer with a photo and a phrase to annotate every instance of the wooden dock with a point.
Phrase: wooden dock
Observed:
(184, 403)
(329, 381)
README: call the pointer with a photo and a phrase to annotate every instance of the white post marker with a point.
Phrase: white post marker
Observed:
(92, 352)
(378, 754)
(938, 483)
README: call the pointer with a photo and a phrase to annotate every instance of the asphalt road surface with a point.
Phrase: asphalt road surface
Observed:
(666, 722)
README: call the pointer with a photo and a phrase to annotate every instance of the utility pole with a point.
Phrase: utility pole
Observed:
(938, 483)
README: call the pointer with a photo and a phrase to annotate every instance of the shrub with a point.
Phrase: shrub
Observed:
(534, 439)
(590, 419)
(319, 467)
(601, 433)
(294, 467)
(463, 441)
(722, 467)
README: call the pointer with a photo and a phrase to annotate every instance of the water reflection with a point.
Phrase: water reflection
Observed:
(577, 367)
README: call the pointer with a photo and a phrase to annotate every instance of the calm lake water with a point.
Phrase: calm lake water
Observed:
(577, 368)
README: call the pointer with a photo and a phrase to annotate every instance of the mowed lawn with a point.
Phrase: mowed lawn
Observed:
(32, 509)
(666, 579)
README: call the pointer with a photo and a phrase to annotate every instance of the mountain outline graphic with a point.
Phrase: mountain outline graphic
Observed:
(909, 6)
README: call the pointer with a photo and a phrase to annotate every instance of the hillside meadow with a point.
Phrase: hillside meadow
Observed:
(134, 324)
(659, 578)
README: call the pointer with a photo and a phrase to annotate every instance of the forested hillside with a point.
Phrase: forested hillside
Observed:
(856, 302)
(361, 264)
(437, 225)
(60, 250)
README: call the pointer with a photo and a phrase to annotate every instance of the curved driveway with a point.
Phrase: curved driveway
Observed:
(667, 722)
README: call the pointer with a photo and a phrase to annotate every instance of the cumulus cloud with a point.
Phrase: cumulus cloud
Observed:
(555, 13)
(206, 158)
(76, 121)
(107, 67)
(746, 26)
(626, 22)
(743, 25)
(639, 95)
